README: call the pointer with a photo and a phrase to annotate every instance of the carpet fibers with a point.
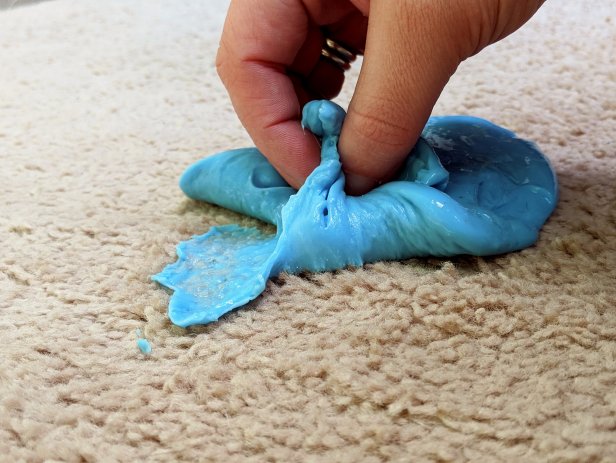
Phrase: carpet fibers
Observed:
(511, 358)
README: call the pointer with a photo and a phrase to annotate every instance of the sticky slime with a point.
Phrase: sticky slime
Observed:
(468, 187)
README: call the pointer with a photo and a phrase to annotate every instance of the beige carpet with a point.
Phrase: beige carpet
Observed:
(102, 106)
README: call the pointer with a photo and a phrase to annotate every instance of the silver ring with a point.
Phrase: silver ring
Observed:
(340, 55)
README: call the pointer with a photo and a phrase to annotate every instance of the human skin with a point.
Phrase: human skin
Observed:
(269, 60)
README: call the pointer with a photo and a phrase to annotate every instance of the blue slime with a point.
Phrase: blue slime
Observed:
(468, 187)
(144, 346)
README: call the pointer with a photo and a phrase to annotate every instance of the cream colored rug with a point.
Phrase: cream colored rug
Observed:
(102, 106)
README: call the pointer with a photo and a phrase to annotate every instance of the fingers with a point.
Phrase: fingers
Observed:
(408, 60)
(257, 46)
(268, 61)
(412, 49)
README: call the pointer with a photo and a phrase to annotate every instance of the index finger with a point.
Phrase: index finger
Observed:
(257, 46)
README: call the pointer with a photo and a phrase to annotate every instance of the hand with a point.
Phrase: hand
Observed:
(270, 62)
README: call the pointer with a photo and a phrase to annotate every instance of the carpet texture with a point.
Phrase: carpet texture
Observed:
(512, 358)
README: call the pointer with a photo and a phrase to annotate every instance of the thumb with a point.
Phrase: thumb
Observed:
(412, 49)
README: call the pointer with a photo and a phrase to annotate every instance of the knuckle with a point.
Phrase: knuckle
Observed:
(222, 63)
(379, 127)
(220, 67)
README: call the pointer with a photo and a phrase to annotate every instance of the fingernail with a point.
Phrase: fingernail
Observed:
(357, 185)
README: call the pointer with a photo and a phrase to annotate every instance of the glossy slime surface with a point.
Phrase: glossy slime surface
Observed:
(468, 187)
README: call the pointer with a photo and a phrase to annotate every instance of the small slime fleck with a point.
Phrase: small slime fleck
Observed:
(144, 346)
(142, 343)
